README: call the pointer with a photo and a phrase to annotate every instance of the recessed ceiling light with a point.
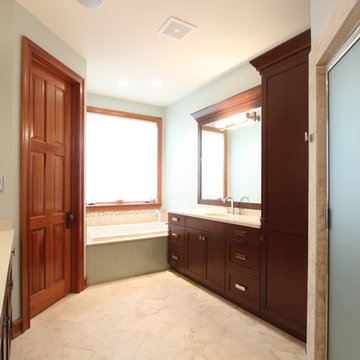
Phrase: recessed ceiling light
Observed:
(156, 82)
(123, 82)
(92, 4)
(176, 29)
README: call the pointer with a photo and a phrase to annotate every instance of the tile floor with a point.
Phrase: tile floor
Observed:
(151, 317)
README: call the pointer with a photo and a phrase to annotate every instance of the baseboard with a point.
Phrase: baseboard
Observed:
(17, 328)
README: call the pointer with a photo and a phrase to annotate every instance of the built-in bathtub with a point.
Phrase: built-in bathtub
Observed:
(128, 232)
(120, 251)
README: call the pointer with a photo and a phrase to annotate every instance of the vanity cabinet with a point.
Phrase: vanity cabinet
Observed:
(206, 252)
(284, 73)
(6, 317)
(243, 266)
(177, 242)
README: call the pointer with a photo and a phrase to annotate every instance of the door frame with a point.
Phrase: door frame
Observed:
(340, 25)
(30, 52)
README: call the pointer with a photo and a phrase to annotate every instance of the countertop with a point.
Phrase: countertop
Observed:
(6, 244)
(245, 218)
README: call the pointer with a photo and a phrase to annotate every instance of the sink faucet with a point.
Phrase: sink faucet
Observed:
(229, 198)
(244, 198)
(158, 214)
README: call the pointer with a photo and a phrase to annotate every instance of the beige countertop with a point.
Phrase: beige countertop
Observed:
(245, 218)
(6, 244)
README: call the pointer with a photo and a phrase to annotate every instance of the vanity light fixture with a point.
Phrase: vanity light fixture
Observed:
(92, 4)
(238, 120)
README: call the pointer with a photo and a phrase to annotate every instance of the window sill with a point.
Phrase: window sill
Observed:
(122, 206)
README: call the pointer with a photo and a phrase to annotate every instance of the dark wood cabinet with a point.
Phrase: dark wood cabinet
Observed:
(206, 252)
(284, 280)
(6, 317)
(284, 72)
(177, 242)
(243, 266)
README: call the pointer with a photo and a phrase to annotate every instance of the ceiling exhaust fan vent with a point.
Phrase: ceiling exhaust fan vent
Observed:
(176, 29)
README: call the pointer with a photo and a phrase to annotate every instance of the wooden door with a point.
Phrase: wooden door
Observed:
(284, 280)
(195, 254)
(49, 188)
(214, 264)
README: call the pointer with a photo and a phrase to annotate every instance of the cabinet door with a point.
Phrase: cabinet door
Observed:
(214, 262)
(285, 152)
(284, 281)
(195, 254)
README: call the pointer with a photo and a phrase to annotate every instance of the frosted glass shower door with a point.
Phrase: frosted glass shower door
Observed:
(344, 205)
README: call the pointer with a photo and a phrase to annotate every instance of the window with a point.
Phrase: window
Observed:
(123, 160)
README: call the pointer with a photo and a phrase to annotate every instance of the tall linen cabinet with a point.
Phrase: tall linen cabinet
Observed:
(284, 219)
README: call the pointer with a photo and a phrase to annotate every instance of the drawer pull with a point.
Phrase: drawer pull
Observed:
(174, 257)
(240, 233)
(240, 256)
(175, 219)
(240, 287)
(174, 235)
(202, 238)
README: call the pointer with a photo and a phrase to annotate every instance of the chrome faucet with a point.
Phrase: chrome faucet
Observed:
(158, 214)
(244, 198)
(229, 198)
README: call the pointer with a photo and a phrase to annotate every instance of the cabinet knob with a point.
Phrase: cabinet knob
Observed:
(240, 287)
(240, 256)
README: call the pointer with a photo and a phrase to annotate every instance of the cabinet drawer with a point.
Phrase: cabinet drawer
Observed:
(176, 260)
(176, 219)
(177, 238)
(243, 288)
(244, 256)
(205, 225)
(243, 233)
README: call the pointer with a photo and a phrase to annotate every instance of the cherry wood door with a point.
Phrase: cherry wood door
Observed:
(49, 188)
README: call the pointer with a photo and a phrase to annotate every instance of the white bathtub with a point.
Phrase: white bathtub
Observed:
(97, 235)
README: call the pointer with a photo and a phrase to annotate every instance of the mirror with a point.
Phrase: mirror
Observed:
(230, 151)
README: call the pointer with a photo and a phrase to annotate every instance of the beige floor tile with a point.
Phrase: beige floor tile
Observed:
(152, 317)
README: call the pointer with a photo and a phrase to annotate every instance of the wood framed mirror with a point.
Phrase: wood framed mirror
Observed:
(229, 151)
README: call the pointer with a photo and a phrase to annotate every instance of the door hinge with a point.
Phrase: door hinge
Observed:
(308, 137)
(327, 218)
(69, 217)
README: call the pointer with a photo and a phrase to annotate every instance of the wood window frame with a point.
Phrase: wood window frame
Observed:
(242, 102)
(30, 52)
(132, 205)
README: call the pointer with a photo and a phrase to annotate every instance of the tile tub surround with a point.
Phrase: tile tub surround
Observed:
(340, 25)
(114, 261)
(153, 317)
(103, 218)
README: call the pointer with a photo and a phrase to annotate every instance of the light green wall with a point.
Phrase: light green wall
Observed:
(320, 13)
(15, 21)
(124, 105)
(181, 134)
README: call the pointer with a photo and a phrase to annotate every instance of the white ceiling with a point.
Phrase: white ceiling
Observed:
(120, 41)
